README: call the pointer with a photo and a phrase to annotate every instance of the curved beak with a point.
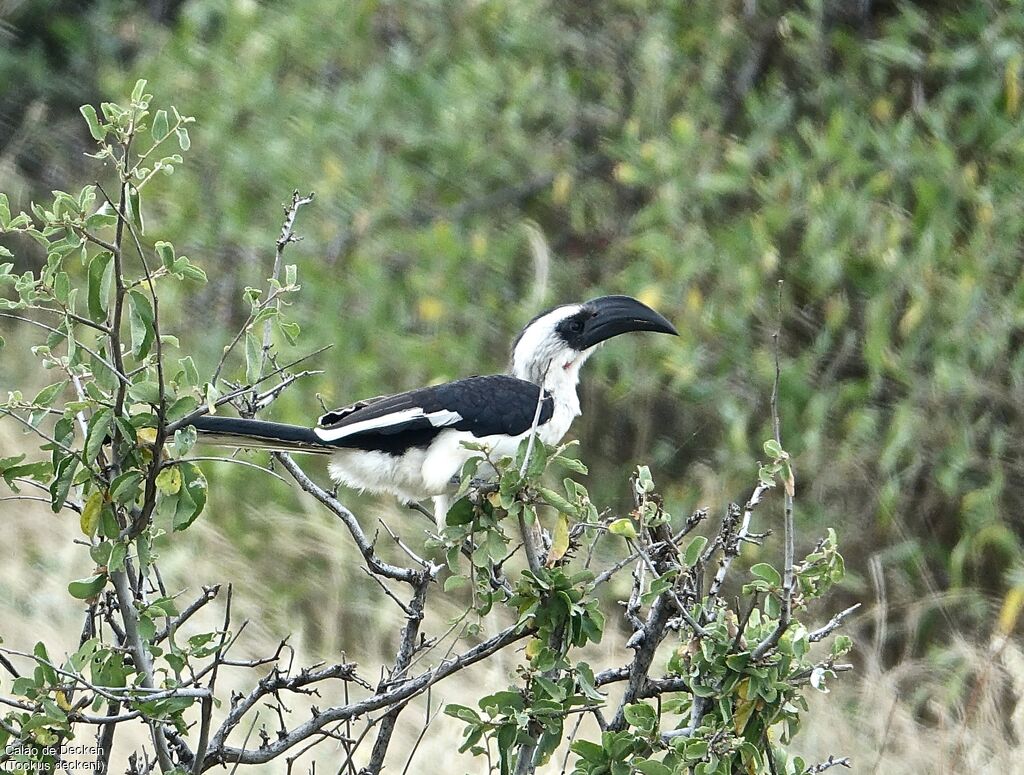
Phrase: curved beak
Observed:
(614, 315)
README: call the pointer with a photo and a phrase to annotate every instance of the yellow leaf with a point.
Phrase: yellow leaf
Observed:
(694, 300)
(62, 700)
(478, 243)
(90, 518)
(430, 309)
(560, 188)
(1012, 604)
(333, 169)
(1012, 80)
(789, 480)
(623, 527)
(911, 317)
(625, 173)
(742, 715)
(651, 296)
(147, 435)
(882, 109)
(560, 540)
(744, 708)
(533, 648)
(168, 481)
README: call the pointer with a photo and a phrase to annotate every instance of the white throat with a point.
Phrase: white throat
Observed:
(542, 357)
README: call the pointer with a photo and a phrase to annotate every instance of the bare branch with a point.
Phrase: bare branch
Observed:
(142, 660)
(365, 546)
(220, 752)
(828, 764)
(832, 625)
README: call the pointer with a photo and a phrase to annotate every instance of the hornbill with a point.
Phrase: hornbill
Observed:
(411, 444)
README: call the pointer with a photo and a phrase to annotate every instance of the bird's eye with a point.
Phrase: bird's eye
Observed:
(575, 325)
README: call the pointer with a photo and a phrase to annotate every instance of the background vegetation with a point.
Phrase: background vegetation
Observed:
(475, 162)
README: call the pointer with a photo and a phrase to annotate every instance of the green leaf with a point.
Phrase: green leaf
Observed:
(644, 481)
(462, 713)
(455, 582)
(765, 571)
(773, 449)
(90, 518)
(118, 553)
(40, 471)
(651, 767)
(184, 440)
(183, 406)
(45, 396)
(101, 220)
(187, 270)
(694, 549)
(265, 314)
(460, 513)
(253, 357)
(61, 287)
(290, 329)
(556, 501)
(145, 392)
(183, 139)
(125, 488)
(190, 373)
(99, 424)
(589, 752)
(641, 716)
(141, 322)
(99, 289)
(165, 250)
(134, 209)
(83, 589)
(160, 128)
(64, 475)
(191, 496)
(97, 131)
(5, 211)
(623, 527)
(45, 664)
(138, 90)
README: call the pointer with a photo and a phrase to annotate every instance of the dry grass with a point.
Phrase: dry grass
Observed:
(955, 712)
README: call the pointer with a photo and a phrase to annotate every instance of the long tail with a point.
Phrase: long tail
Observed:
(257, 434)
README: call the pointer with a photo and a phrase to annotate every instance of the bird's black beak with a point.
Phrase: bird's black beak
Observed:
(614, 315)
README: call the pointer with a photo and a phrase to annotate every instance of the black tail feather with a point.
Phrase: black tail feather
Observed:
(258, 434)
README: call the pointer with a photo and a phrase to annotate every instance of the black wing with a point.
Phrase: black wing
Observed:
(484, 406)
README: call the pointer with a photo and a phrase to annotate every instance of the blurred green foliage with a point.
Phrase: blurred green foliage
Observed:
(690, 154)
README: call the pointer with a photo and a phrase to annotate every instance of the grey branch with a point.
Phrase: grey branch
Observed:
(221, 753)
(828, 764)
(833, 624)
(142, 661)
(365, 546)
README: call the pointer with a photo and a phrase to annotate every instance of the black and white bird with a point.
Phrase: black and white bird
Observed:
(410, 444)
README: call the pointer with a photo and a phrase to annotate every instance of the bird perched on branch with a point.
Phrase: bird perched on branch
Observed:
(411, 444)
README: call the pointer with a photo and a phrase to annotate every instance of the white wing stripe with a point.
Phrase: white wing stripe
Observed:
(437, 419)
(443, 418)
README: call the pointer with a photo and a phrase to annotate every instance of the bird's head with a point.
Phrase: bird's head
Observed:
(556, 343)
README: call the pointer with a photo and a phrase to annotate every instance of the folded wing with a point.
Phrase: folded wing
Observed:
(484, 406)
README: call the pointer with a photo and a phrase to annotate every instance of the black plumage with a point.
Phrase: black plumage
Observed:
(487, 406)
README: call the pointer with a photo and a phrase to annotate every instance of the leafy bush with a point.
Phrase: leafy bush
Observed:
(116, 434)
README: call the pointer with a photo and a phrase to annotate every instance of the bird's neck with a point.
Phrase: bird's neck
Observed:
(558, 376)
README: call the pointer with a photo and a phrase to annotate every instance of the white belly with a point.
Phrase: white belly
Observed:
(378, 472)
(426, 473)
